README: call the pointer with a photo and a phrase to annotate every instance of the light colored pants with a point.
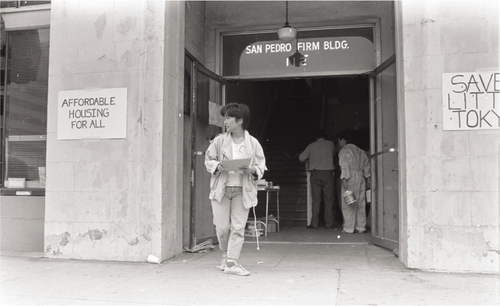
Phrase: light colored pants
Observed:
(230, 219)
(355, 214)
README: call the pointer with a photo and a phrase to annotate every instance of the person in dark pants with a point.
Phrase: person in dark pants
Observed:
(320, 156)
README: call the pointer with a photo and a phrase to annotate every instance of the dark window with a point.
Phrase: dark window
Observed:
(19, 3)
(24, 86)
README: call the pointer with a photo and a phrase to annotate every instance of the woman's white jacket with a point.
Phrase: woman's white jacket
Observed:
(220, 149)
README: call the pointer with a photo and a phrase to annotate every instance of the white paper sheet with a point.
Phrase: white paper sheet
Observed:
(235, 164)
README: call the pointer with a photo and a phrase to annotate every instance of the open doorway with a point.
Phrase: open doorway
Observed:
(284, 117)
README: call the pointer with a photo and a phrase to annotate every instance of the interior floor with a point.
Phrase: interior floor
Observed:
(302, 235)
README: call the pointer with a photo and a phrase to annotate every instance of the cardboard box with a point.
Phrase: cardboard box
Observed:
(271, 223)
(251, 231)
(250, 227)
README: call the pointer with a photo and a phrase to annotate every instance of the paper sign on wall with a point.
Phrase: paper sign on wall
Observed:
(471, 101)
(92, 114)
(215, 116)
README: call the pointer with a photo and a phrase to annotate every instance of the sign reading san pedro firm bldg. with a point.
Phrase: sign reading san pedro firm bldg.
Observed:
(87, 114)
(315, 52)
(471, 101)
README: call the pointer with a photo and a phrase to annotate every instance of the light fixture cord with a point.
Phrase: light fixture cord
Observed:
(286, 22)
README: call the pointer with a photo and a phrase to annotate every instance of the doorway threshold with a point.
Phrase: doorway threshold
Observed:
(302, 235)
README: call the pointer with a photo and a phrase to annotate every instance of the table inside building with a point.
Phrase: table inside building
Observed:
(269, 190)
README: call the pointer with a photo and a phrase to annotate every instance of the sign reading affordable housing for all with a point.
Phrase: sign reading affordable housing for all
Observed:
(84, 114)
(471, 101)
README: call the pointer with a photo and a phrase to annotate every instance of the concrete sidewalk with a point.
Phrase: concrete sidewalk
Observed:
(282, 273)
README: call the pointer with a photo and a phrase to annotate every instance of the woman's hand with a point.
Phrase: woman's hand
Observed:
(219, 169)
(248, 169)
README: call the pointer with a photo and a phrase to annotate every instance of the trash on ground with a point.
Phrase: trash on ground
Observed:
(201, 247)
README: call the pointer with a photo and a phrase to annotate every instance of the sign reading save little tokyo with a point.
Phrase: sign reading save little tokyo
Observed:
(87, 114)
(471, 101)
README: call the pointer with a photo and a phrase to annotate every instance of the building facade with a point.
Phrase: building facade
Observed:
(123, 179)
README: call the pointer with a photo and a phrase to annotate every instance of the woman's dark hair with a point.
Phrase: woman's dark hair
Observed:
(238, 111)
(345, 135)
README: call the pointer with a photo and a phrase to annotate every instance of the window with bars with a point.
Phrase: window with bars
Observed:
(23, 109)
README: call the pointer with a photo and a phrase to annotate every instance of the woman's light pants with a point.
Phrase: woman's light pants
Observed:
(230, 219)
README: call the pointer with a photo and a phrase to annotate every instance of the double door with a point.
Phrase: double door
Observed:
(204, 97)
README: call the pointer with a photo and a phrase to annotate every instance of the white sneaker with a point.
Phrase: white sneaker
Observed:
(236, 270)
(223, 261)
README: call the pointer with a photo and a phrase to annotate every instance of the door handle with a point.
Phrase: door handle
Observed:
(198, 153)
(395, 170)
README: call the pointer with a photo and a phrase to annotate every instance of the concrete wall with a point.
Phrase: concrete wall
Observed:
(117, 199)
(195, 44)
(195, 29)
(22, 223)
(451, 221)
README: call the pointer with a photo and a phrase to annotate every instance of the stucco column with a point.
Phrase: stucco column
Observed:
(451, 217)
(173, 136)
(117, 199)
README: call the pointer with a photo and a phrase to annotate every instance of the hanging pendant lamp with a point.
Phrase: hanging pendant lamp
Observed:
(287, 33)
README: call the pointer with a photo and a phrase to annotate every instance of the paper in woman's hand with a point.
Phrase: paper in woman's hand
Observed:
(234, 164)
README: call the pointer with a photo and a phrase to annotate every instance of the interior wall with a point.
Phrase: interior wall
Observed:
(195, 29)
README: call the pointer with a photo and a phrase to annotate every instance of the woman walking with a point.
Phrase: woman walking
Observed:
(233, 193)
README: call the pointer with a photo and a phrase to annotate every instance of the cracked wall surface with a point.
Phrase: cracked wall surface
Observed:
(109, 199)
(452, 179)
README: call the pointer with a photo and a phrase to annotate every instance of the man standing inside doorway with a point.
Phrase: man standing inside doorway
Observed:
(320, 156)
(355, 167)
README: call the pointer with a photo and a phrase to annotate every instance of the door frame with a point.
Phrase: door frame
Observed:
(400, 95)
(375, 23)
(195, 154)
(380, 240)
